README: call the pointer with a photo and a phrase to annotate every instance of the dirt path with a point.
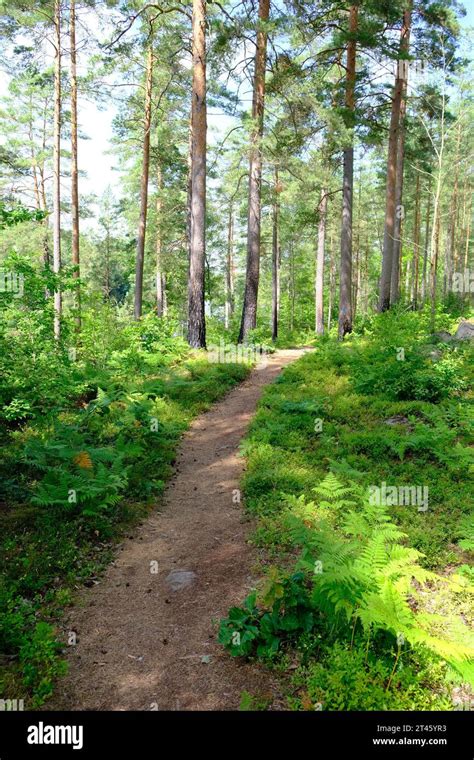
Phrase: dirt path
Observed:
(147, 640)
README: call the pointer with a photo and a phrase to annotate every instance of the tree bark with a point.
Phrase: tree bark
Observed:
(391, 185)
(453, 257)
(458, 256)
(291, 287)
(356, 275)
(229, 269)
(249, 311)
(160, 301)
(468, 234)
(416, 242)
(345, 281)
(366, 274)
(74, 163)
(426, 247)
(46, 248)
(276, 257)
(399, 214)
(140, 258)
(319, 279)
(197, 253)
(57, 167)
(332, 279)
(434, 267)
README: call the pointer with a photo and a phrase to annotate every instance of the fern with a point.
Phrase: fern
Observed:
(368, 573)
(467, 531)
(333, 492)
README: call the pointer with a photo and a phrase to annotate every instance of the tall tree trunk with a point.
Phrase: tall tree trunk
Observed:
(276, 256)
(160, 305)
(197, 253)
(408, 269)
(345, 281)
(189, 185)
(416, 242)
(46, 248)
(107, 264)
(249, 311)
(34, 160)
(452, 262)
(74, 166)
(391, 184)
(229, 269)
(319, 279)
(459, 246)
(57, 167)
(332, 278)
(140, 258)
(292, 288)
(356, 276)
(468, 232)
(165, 294)
(435, 232)
(426, 247)
(434, 267)
(366, 275)
(399, 214)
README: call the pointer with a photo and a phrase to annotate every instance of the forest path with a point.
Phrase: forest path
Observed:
(148, 640)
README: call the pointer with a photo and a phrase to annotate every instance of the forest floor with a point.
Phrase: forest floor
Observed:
(147, 632)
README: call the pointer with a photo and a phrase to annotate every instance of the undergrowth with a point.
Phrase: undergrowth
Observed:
(367, 601)
(88, 441)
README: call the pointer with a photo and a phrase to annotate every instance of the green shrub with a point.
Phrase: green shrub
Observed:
(347, 679)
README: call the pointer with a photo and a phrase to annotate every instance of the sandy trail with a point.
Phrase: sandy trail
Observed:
(140, 639)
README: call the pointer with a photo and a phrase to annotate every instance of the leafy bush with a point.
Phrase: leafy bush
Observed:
(346, 678)
(357, 576)
(286, 613)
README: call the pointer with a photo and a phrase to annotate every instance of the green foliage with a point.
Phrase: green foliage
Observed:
(367, 439)
(83, 459)
(364, 571)
(401, 363)
(40, 663)
(361, 573)
(286, 614)
(347, 679)
(251, 703)
(10, 216)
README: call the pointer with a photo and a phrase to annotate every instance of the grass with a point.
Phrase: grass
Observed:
(286, 454)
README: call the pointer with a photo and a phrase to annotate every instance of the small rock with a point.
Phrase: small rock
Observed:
(465, 331)
(206, 658)
(443, 335)
(435, 355)
(397, 419)
(179, 579)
